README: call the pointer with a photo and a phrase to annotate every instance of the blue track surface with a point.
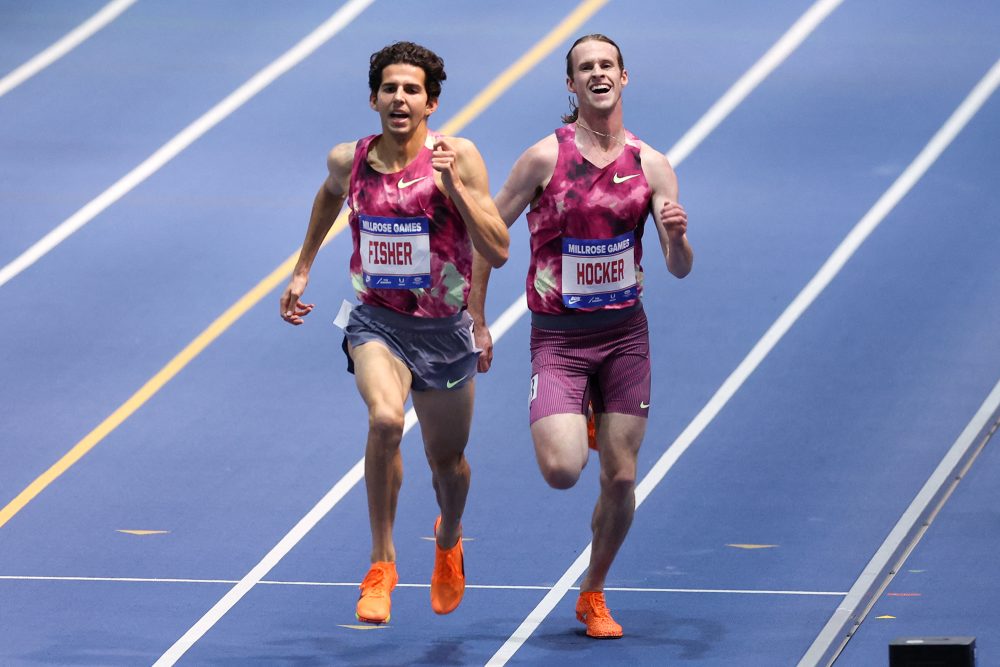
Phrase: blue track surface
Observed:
(817, 455)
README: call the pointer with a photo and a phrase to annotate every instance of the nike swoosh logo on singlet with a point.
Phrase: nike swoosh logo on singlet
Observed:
(405, 184)
(622, 179)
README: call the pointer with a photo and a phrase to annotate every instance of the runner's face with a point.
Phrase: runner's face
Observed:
(597, 79)
(401, 100)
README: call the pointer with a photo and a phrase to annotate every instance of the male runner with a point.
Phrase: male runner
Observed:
(590, 186)
(419, 203)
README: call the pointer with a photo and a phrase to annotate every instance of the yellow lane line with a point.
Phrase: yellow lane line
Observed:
(148, 390)
(510, 76)
(470, 111)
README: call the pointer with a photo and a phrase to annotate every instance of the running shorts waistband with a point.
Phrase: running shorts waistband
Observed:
(598, 319)
(410, 322)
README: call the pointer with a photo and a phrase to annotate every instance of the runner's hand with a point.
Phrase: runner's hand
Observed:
(292, 308)
(484, 341)
(445, 160)
(674, 219)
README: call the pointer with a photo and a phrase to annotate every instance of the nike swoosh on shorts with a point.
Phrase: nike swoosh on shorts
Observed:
(452, 383)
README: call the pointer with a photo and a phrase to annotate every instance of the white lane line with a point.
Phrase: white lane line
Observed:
(294, 536)
(258, 82)
(718, 591)
(355, 584)
(509, 317)
(746, 84)
(306, 524)
(770, 61)
(127, 580)
(69, 41)
(279, 551)
(905, 535)
(272, 558)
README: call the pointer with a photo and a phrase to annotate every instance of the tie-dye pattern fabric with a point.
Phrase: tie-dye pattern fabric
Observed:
(582, 201)
(408, 197)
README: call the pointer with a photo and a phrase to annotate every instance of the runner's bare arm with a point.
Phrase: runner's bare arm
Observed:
(327, 204)
(463, 174)
(477, 310)
(526, 181)
(669, 216)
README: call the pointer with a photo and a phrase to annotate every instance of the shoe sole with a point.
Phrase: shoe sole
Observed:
(371, 620)
(584, 621)
(443, 612)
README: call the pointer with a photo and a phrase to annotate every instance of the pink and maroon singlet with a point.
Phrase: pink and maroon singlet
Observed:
(586, 232)
(412, 252)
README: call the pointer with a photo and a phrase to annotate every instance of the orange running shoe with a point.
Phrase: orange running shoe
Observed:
(591, 427)
(448, 579)
(374, 603)
(592, 611)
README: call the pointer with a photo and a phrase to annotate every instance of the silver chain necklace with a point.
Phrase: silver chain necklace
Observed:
(603, 134)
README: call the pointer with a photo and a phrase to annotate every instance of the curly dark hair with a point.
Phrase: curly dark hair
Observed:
(408, 53)
(595, 37)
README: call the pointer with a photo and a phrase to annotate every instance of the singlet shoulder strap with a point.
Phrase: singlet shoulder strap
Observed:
(361, 150)
(632, 141)
(565, 133)
(360, 162)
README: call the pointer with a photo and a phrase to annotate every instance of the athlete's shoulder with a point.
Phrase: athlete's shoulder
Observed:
(461, 145)
(341, 157)
(542, 154)
(658, 171)
(339, 162)
(654, 161)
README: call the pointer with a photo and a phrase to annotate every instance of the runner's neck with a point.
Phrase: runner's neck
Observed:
(390, 154)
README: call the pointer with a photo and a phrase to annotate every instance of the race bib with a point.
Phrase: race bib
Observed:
(395, 252)
(598, 272)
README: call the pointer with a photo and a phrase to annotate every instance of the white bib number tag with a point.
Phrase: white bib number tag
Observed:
(395, 252)
(598, 272)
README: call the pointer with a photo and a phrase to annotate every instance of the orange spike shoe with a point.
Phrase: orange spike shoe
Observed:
(592, 611)
(448, 579)
(591, 428)
(374, 605)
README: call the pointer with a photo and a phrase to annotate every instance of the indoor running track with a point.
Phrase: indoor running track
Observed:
(179, 477)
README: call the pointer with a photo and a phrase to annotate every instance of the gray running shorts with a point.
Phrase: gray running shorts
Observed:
(439, 351)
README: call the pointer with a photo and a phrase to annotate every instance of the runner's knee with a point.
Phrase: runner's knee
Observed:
(386, 425)
(447, 463)
(559, 474)
(619, 484)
